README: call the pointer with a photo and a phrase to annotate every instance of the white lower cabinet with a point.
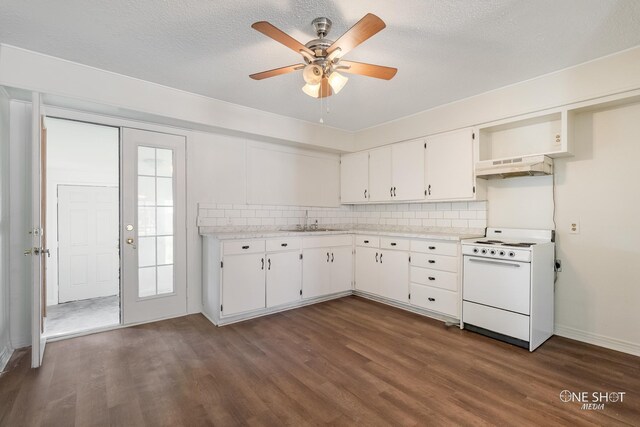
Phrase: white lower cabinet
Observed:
(248, 278)
(383, 272)
(243, 283)
(326, 271)
(284, 278)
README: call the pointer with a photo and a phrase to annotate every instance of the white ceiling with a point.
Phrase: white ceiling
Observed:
(444, 50)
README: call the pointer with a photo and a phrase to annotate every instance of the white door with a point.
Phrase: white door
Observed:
(153, 226)
(316, 272)
(284, 278)
(449, 165)
(243, 287)
(354, 177)
(35, 167)
(380, 174)
(407, 167)
(88, 260)
(394, 275)
(341, 269)
(367, 262)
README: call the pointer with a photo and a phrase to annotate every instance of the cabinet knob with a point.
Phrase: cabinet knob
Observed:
(432, 248)
(393, 243)
(432, 261)
(431, 299)
(245, 247)
(432, 278)
(284, 245)
(366, 241)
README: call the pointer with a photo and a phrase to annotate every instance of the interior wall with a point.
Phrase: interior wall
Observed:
(77, 154)
(597, 291)
(5, 340)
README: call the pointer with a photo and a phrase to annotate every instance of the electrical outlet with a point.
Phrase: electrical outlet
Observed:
(574, 227)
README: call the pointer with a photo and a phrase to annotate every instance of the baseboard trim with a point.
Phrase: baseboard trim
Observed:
(5, 355)
(599, 340)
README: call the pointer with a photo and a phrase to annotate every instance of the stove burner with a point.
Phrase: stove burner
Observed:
(489, 242)
(519, 245)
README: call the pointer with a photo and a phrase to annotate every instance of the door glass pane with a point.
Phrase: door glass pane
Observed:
(155, 221)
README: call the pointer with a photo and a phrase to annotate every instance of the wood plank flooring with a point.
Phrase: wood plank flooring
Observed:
(344, 362)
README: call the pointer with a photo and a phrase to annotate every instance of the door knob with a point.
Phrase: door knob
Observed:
(130, 242)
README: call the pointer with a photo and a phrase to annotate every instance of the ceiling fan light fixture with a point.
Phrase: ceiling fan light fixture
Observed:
(312, 74)
(334, 55)
(313, 90)
(337, 81)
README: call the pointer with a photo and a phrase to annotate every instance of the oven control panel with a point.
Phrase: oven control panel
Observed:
(497, 252)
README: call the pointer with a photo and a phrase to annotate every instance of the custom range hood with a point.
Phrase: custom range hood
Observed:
(514, 167)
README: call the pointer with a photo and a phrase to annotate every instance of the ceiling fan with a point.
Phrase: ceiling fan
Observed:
(323, 57)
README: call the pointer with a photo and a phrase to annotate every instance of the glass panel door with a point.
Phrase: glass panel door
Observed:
(153, 225)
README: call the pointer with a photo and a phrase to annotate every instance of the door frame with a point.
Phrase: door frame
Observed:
(106, 120)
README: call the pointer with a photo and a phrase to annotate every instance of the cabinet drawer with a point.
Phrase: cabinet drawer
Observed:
(283, 244)
(435, 299)
(235, 247)
(435, 278)
(496, 320)
(370, 241)
(436, 262)
(436, 247)
(327, 241)
(394, 243)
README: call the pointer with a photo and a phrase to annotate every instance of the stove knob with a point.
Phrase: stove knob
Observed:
(484, 251)
(493, 252)
(512, 254)
(475, 250)
(501, 253)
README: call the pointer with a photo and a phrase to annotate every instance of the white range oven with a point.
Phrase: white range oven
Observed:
(508, 285)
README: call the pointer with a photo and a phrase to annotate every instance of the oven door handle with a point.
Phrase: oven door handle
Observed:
(488, 261)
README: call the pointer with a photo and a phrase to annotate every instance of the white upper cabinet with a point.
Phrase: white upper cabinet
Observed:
(407, 170)
(449, 162)
(396, 172)
(354, 177)
(380, 180)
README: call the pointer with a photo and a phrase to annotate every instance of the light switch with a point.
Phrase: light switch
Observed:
(574, 227)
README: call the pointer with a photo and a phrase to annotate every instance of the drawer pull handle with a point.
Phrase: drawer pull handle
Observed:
(376, 256)
(284, 245)
(432, 278)
(366, 241)
(432, 247)
(245, 247)
(393, 244)
(432, 261)
(431, 299)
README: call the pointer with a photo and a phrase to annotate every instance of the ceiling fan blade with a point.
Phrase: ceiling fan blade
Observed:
(361, 31)
(280, 36)
(276, 72)
(325, 88)
(370, 70)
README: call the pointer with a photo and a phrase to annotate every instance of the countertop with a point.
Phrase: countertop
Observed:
(441, 234)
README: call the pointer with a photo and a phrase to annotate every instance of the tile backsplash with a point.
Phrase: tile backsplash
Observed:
(457, 215)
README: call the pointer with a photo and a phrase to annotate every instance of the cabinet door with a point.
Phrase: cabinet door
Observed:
(341, 269)
(407, 168)
(380, 184)
(449, 165)
(284, 278)
(354, 178)
(367, 270)
(243, 287)
(394, 275)
(316, 272)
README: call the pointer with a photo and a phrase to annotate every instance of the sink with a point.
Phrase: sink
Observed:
(312, 230)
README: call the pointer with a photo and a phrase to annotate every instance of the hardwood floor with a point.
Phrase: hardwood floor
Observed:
(344, 362)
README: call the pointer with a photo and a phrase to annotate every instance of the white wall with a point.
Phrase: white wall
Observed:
(77, 154)
(5, 340)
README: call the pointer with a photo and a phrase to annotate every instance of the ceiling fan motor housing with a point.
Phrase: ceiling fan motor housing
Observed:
(322, 26)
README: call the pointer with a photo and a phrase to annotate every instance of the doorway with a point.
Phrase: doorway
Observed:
(81, 207)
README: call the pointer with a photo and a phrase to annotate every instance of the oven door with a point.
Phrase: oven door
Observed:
(497, 283)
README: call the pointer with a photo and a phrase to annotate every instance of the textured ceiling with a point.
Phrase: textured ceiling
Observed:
(444, 50)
